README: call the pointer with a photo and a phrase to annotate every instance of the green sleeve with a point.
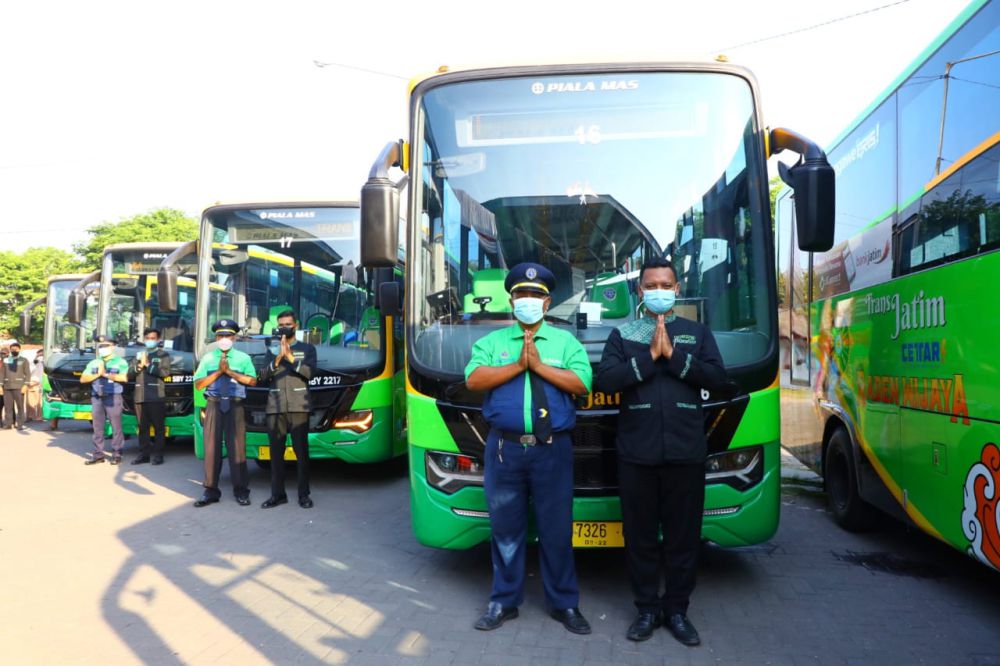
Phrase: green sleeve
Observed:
(91, 368)
(246, 366)
(202, 370)
(577, 361)
(482, 354)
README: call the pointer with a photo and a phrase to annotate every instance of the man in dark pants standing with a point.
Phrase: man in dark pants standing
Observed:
(290, 366)
(148, 371)
(15, 376)
(531, 372)
(106, 375)
(224, 373)
(660, 363)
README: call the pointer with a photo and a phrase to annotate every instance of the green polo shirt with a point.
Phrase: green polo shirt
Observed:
(556, 347)
(238, 361)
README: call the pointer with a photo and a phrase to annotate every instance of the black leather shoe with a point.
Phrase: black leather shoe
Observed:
(205, 500)
(94, 461)
(116, 460)
(306, 502)
(157, 460)
(642, 626)
(243, 500)
(682, 629)
(572, 620)
(494, 616)
(139, 460)
(272, 502)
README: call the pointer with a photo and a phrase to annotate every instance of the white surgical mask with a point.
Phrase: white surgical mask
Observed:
(529, 310)
(106, 351)
(225, 344)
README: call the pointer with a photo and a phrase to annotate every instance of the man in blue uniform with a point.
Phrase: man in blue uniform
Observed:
(531, 372)
(224, 373)
(106, 375)
(660, 363)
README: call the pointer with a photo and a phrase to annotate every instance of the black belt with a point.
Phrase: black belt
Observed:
(523, 438)
(213, 398)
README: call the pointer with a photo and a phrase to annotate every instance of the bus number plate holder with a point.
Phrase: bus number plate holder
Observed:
(597, 534)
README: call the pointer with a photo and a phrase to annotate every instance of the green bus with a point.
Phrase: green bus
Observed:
(890, 381)
(126, 306)
(255, 261)
(68, 347)
(589, 170)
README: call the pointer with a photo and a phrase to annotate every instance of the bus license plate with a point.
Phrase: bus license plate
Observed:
(592, 534)
(82, 416)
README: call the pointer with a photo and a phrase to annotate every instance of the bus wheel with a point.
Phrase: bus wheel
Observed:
(263, 464)
(841, 481)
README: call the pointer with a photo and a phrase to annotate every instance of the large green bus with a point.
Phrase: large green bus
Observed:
(126, 306)
(890, 381)
(255, 261)
(67, 347)
(589, 170)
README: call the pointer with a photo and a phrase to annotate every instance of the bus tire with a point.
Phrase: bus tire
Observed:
(840, 479)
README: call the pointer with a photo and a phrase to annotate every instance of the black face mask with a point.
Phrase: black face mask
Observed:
(14, 354)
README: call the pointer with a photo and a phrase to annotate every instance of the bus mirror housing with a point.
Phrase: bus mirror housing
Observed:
(814, 182)
(25, 323)
(166, 277)
(76, 306)
(388, 299)
(380, 210)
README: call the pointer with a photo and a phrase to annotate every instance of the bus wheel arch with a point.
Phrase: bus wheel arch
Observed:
(840, 479)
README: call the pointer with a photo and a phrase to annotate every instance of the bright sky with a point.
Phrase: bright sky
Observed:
(115, 108)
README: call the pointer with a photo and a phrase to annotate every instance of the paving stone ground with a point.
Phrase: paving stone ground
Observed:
(112, 565)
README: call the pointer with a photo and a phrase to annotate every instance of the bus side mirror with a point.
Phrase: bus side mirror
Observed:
(76, 306)
(388, 299)
(166, 290)
(25, 323)
(380, 210)
(814, 182)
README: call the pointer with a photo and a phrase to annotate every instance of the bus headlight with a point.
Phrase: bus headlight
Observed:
(449, 472)
(356, 421)
(740, 468)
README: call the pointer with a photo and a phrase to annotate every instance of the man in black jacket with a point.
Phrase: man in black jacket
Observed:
(290, 365)
(148, 370)
(15, 375)
(660, 363)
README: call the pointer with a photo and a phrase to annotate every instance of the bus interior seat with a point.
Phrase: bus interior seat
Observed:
(615, 300)
(488, 282)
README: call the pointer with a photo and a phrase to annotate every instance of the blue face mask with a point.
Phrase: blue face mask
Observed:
(274, 349)
(529, 310)
(150, 344)
(659, 301)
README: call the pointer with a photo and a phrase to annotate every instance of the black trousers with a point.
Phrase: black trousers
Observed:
(151, 414)
(230, 427)
(13, 407)
(671, 496)
(279, 426)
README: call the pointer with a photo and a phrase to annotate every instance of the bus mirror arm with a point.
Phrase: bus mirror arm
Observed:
(166, 276)
(78, 298)
(26, 315)
(380, 209)
(388, 299)
(813, 180)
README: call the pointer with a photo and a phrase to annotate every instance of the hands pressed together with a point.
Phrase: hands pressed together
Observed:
(529, 360)
(660, 345)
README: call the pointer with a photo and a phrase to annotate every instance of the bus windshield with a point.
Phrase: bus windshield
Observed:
(588, 175)
(303, 259)
(61, 336)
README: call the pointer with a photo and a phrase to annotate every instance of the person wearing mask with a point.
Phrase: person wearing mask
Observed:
(224, 373)
(660, 363)
(15, 379)
(35, 388)
(290, 365)
(531, 373)
(148, 370)
(106, 375)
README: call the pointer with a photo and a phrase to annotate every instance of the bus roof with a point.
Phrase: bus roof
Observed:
(348, 202)
(143, 246)
(960, 20)
(76, 277)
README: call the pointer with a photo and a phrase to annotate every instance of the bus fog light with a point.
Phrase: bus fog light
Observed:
(357, 421)
(450, 472)
(740, 468)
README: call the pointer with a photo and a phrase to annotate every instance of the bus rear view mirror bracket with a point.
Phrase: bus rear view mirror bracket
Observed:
(380, 209)
(388, 299)
(813, 180)
(26, 315)
(77, 302)
(166, 277)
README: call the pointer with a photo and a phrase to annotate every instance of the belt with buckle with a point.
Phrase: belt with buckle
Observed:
(525, 439)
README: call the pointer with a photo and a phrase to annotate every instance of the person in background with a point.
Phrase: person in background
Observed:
(35, 388)
(106, 375)
(15, 377)
(148, 371)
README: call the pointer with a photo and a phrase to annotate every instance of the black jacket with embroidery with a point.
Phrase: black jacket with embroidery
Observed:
(660, 418)
(288, 384)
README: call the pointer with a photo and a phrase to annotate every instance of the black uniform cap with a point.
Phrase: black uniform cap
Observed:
(225, 326)
(103, 339)
(529, 276)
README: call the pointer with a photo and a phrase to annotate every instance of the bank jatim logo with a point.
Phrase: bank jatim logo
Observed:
(980, 519)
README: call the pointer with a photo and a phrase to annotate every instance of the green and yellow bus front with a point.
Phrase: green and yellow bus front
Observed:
(589, 170)
(256, 261)
(128, 306)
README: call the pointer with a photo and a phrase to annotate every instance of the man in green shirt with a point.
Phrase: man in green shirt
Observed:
(224, 373)
(531, 372)
(106, 375)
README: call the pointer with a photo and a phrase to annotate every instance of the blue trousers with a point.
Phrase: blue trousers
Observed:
(110, 408)
(513, 474)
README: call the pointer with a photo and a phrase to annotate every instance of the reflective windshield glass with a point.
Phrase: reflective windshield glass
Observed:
(588, 175)
(61, 336)
(304, 260)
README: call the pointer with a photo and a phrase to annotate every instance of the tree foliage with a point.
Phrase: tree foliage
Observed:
(161, 225)
(23, 278)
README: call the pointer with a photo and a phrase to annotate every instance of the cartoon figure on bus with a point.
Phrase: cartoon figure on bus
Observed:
(980, 519)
